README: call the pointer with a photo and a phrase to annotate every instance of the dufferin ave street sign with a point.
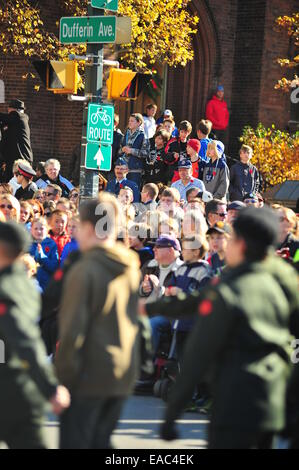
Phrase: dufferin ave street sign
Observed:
(88, 29)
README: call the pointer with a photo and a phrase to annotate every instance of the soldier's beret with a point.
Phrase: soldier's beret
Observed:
(26, 170)
(15, 235)
(260, 225)
(121, 162)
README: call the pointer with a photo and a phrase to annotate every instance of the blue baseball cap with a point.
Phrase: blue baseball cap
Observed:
(220, 88)
(121, 162)
(185, 164)
(168, 241)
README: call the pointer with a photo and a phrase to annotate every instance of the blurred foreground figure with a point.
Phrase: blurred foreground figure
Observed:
(98, 329)
(27, 382)
(240, 339)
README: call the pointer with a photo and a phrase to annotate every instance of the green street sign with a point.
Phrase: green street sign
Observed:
(105, 4)
(98, 157)
(90, 29)
(100, 124)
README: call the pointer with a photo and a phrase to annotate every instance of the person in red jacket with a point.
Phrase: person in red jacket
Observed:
(58, 223)
(218, 114)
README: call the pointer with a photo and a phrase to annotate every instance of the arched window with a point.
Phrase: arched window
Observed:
(2, 92)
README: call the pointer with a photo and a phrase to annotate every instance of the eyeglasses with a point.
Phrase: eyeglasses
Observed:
(49, 194)
(47, 214)
(8, 206)
(221, 214)
(74, 195)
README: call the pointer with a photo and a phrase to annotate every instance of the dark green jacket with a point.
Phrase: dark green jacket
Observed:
(25, 375)
(98, 326)
(241, 334)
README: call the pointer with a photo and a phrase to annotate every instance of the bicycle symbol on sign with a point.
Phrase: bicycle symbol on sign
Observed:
(102, 115)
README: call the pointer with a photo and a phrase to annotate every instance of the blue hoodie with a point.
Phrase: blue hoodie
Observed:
(69, 248)
(47, 259)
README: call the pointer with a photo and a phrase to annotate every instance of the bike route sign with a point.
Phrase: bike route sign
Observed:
(105, 4)
(100, 124)
(98, 157)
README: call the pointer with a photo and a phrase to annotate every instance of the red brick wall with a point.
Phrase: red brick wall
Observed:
(274, 105)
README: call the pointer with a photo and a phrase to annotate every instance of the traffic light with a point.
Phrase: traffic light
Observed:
(57, 76)
(126, 85)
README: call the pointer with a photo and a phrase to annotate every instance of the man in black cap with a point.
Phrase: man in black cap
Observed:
(233, 210)
(15, 131)
(24, 177)
(120, 181)
(240, 338)
(27, 381)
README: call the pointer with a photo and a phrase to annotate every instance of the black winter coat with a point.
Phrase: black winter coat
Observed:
(15, 142)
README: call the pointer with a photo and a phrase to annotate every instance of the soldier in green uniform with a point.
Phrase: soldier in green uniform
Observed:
(240, 337)
(27, 382)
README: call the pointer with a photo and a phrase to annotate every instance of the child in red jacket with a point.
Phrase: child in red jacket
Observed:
(58, 223)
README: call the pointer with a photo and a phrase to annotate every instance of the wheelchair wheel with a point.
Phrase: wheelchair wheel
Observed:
(157, 388)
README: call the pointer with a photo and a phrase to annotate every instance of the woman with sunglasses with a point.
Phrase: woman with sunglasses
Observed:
(10, 207)
(74, 196)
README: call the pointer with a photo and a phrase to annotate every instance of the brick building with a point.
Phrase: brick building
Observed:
(236, 46)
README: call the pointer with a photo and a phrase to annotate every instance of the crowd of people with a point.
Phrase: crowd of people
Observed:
(178, 203)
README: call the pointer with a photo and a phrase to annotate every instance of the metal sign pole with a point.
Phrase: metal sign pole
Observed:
(89, 179)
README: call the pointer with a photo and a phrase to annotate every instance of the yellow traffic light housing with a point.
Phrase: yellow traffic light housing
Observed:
(126, 85)
(118, 82)
(59, 77)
